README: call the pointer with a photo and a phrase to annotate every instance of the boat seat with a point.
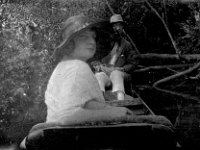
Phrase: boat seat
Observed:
(144, 131)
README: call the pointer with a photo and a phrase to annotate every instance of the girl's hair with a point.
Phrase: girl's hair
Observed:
(64, 51)
(69, 48)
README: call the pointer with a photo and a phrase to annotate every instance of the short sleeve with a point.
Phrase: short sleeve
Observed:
(71, 85)
(86, 85)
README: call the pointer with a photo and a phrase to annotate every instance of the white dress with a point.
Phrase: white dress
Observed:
(70, 86)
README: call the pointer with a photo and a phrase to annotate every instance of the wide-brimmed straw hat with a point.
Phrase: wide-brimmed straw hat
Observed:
(72, 27)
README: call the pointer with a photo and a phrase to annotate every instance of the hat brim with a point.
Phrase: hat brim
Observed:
(67, 40)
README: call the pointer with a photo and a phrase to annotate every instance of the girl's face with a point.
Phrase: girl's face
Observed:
(85, 45)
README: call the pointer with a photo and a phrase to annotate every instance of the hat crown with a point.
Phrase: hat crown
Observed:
(116, 18)
(74, 24)
(72, 27)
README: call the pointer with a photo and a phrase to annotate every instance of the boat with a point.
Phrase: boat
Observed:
(145, 130)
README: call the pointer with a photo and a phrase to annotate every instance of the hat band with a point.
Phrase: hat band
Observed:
(82, 27)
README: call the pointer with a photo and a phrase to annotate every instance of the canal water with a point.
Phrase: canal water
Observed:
(183, 113)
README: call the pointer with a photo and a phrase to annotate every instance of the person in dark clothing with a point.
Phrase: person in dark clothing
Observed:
(119, 63)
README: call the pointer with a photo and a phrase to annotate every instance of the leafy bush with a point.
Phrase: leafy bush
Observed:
(29, 33)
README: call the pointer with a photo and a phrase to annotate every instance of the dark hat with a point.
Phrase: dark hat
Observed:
(73, 26)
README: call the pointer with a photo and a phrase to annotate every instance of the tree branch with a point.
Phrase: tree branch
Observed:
(163, 67)
(176, 75)
(155, 56)
(167, 29)
(185, 96)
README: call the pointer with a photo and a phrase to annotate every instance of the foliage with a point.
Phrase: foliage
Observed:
(29, 33)
(189, 41)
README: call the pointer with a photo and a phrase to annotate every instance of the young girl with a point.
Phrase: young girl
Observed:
(73, 94)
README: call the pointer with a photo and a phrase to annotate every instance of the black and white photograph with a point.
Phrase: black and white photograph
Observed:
(99, 74)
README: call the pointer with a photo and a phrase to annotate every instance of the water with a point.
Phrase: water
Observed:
(183, 113)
